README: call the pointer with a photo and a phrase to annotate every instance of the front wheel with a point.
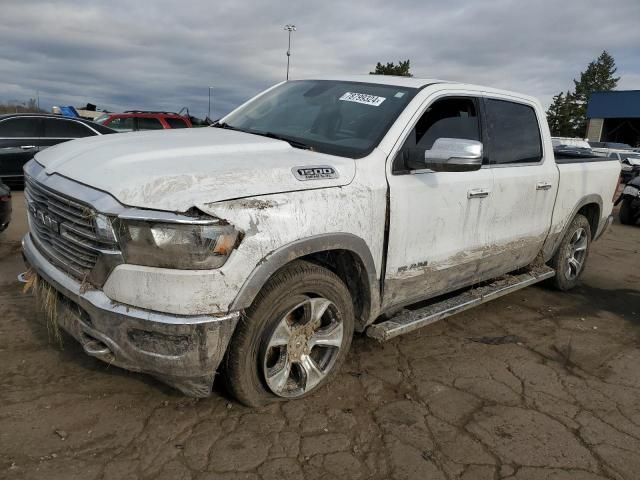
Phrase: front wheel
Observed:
(570, 258)
(293, 338)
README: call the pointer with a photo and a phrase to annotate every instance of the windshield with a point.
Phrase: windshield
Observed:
(101, 118)
(334, 117)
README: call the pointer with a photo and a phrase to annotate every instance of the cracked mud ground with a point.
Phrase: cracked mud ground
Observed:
(536, 385)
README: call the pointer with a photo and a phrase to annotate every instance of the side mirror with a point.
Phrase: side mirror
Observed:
(454, 155)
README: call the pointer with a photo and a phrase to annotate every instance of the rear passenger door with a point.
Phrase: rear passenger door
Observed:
(59, 130)
(176, 122)
(525, 183)
(149, 123)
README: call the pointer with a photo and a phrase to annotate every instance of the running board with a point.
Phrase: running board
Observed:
(410, 320)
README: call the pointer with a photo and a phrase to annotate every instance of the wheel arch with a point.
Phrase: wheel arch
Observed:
(345, 254)
(591, 207)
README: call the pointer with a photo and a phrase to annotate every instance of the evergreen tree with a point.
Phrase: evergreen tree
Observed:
(567, 114)
(402, 69)
(598, 77)
(554, 114)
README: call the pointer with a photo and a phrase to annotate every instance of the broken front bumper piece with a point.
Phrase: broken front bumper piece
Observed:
(182, 351)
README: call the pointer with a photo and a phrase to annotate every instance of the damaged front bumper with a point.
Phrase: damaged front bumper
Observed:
(182, 351)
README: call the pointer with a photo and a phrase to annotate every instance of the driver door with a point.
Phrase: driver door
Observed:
(438, 223)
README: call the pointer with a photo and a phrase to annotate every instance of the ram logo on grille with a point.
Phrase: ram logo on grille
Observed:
(320, 172)
(45, 219)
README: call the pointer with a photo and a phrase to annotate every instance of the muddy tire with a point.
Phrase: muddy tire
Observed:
(626, 214)
(571, 257)
(293, 338)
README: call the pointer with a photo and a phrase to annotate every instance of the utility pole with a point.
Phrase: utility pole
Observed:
(289, 28)
(209, 114)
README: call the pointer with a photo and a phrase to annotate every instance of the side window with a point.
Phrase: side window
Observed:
(145, 123)
(176, 122)
(20, 127)
(455, 117)
(60, 128)
(613, 155)
(121, 124)
(514, 134)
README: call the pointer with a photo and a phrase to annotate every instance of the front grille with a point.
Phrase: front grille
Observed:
(64, 229)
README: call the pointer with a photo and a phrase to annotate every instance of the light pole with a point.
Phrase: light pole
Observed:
(209, 114)
(290, 28)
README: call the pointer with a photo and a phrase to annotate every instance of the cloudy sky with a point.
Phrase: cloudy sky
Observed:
(123, 54)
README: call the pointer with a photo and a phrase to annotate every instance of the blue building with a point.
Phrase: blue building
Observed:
(614, 117)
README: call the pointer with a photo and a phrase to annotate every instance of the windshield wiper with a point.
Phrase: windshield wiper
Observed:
(293, 143)
(290, 141)
(224, 125)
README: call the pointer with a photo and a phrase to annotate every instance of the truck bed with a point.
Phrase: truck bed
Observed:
(584, 181)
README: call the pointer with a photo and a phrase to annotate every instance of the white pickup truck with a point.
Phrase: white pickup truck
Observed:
(318, 208)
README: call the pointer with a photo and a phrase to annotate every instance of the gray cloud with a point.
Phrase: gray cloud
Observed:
(164, 54)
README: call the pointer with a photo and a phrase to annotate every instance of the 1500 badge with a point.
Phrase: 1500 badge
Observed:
(319, 172)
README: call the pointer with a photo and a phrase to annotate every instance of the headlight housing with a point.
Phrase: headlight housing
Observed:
(201, 245)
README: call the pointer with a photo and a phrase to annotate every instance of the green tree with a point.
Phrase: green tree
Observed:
(560, 115)
(402, 69)
(554, 114)
(567, 115)
(598, 77)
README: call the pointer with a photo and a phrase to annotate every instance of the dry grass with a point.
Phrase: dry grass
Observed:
(47, 303)
(88, 213)
(85, 285)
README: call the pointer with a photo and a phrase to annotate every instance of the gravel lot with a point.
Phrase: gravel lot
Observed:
(536, 385)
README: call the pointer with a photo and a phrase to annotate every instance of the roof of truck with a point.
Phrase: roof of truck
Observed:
(411, 82)
(414, 82)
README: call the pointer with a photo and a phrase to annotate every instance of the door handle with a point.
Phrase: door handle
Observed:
(27, 147)
(478, 193)
(543, 186)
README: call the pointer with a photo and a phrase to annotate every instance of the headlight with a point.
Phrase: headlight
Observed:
(187, 246)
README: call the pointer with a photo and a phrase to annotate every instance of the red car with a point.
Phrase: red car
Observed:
(134, 120)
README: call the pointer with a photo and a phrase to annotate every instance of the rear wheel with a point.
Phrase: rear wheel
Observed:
(570, 258)
(626, 213)
(293, 338)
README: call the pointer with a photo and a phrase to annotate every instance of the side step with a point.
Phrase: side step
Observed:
(410, 320)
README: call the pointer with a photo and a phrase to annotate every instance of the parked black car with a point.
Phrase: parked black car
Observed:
(5, 206)
(22, 135)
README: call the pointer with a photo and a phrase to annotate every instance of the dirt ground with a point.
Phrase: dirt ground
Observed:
(536, 385)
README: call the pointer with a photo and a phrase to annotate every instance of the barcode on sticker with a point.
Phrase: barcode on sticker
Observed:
(362, 98)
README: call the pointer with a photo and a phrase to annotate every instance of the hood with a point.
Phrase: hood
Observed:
(175, 170)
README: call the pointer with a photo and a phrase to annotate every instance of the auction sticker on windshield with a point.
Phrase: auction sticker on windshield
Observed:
(362, 98)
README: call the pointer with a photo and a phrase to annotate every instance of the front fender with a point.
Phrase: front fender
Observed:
(277, 259)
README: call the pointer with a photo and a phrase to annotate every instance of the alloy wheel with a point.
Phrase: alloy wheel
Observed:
(576, 254)
(303, 348)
